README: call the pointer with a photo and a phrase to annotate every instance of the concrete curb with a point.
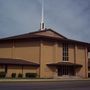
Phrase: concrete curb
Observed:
(40, 80)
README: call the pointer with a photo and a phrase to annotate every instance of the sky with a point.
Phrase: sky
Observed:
(70, 18)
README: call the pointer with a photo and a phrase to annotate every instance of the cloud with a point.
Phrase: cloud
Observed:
(68, 17)
(18, 16)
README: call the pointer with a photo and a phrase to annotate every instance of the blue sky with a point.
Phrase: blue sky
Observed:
(70, 18)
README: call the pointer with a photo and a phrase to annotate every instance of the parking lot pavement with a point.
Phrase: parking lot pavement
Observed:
(63, 85)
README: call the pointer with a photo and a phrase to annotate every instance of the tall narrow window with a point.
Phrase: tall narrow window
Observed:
(65, 52)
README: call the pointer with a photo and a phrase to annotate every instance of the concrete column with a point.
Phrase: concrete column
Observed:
(86, 63)
(12, 53)
(75, 58)
(56, 73)
(75, 50)
(41, 59)
(55, 52)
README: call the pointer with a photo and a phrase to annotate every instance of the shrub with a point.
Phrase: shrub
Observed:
(31, 75)
(20, 75)
(2, 74)
(13, 75)
(89, 75)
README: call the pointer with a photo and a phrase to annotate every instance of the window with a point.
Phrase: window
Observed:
(65, 52)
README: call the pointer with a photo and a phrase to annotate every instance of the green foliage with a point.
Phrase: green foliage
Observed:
(13, 75)
(20, 75)
(2, 74)
(31, 75)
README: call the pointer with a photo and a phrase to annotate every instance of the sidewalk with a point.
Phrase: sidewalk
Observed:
(39, 80)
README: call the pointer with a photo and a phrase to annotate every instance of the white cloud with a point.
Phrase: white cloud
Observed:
(68, 17)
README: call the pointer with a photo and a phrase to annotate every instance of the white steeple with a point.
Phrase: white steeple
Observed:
(42, 25)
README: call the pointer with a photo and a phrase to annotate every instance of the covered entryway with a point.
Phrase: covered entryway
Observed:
(65, 68)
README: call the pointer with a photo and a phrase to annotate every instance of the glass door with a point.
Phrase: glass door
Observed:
(65, 70)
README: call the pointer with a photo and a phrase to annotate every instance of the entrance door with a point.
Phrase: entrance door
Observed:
(65, 70)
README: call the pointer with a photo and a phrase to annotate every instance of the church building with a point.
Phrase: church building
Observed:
(45, 53)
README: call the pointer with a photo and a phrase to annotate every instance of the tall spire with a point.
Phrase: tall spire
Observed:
(42, 25)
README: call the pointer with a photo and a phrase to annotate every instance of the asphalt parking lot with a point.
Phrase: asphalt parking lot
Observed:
(62, 85)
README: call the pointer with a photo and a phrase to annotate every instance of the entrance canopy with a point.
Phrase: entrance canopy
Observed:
(10, 61)
(64, 63)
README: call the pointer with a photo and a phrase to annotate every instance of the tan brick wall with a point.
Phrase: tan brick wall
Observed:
(27, 50)
(6, 50)
(71, 53)
(29, 69)
(13, 69)
(51, 52)
(88, 55)
(44, 53)
(47, 56)
(81, 58)
(22, 70)
(58, 52)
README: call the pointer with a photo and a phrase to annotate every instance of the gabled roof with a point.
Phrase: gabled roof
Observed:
(44, 33)
(50, 33)
(10, 61)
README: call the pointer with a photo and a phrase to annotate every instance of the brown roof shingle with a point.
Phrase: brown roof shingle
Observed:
(10, 61)
(64, 63)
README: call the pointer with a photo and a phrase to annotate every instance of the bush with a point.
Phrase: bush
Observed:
(20, 75)
(89, 75)
(31, 75)
(2, 74)
(13, 75)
